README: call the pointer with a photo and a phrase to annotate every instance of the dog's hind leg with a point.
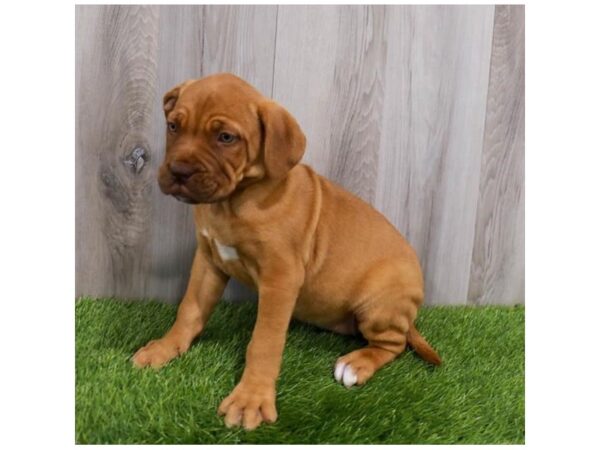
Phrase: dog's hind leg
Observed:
(385, 326)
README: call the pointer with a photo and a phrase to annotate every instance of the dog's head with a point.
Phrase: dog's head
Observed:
(221, 134)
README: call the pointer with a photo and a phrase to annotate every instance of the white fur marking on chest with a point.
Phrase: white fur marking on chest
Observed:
(226, 252)
(204, 232)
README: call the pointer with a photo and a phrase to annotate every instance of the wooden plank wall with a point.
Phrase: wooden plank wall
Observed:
(419, 110)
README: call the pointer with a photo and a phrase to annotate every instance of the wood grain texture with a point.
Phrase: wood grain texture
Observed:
(357, 99)
(241, 40)
(306, 48)
(171, 237)
(116, 88)
(498, 262)
(336, 89)
(435, 100)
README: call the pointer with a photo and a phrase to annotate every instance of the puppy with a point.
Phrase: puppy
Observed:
(312, 250)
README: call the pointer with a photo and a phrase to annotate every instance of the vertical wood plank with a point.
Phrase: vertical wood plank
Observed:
(241, 40)
(172, 240)
(335, 90)
(498, 265)
(357, 99)
(304, 73)
(116, 85)
(435, 99)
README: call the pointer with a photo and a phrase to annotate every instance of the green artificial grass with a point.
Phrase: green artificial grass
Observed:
(475, 397)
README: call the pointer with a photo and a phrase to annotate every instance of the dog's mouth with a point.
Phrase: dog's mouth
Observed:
(184, 194)
(184, 199)
(194, 189)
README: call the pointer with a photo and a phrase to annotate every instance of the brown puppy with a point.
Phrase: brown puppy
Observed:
(313, 250)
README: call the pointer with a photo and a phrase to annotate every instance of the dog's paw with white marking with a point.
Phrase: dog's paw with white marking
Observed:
(345, 374)
(355, 368)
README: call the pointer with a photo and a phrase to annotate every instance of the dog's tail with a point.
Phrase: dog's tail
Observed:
(422, 347)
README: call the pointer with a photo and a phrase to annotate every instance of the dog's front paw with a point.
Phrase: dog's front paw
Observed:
(157, 353)
(248, 405)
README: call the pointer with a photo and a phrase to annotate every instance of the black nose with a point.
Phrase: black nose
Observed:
(181, 171)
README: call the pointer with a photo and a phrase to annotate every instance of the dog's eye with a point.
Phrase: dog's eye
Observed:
(226, 138)
(172, 126)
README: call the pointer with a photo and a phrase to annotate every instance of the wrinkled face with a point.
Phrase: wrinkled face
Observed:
(221, 135)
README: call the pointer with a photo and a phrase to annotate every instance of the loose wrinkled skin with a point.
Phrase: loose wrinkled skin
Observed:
(311, 249)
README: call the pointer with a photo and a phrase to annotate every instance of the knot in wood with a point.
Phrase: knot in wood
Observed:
(136, 159)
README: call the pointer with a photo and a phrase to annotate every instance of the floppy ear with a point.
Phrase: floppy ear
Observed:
(283, 140)
(170, 98)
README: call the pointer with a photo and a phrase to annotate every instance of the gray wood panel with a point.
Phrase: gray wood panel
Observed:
(498, 263)
(395, 104)
(306, 51)
(336, 89)
(171, 239)
(357, 99)
(241, 40)
(116, 89)
(435, 100)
